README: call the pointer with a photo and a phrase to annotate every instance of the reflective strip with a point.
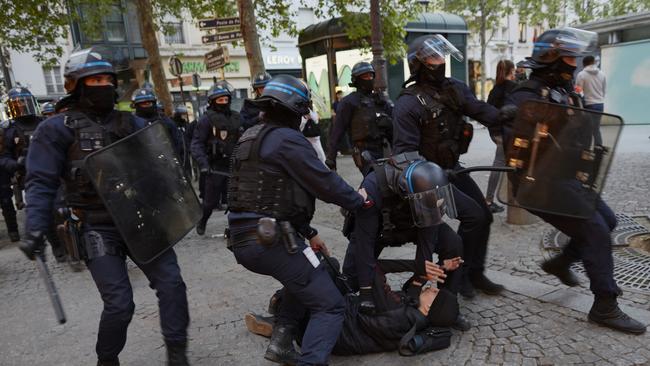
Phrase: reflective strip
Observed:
(95, 63)
(148, 97)
(285, 88)
(365, 69)
(409, 171)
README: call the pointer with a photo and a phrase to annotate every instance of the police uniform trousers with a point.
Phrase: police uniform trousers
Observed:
(475, 219)
(110, 274)
(590, 241)
(309, 291)
(7, 205)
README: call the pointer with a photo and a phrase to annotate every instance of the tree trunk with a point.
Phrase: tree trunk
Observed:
(377, 38)
(251, 38)
(150, 44)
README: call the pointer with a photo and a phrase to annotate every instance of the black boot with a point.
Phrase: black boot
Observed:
(559, 266)
(461, 324)
(176, 353)
(14, 236)
(258, 324)
(605, 311)
(366, 301)
(280, 349)
(115, 362)
(480, 282)
(466, 288)
(200, 227)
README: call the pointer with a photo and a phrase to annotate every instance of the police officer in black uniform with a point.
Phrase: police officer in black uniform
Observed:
(276, 176)
(57, 150)
(214, 139)
(181, 120)
(365, 116)
(410, 196)
(553, 63)
(250, 113)
(428, 117)
(144, 102)
(16, 140)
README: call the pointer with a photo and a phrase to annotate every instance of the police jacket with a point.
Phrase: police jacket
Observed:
(15, 140)
(429, 120)
(357, 114)
(56, 152)
(214, 139)
(249, 115)
(282, 152)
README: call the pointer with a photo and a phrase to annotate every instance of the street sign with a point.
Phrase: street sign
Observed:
(175, 66)
(218, 23)
(222, 37)
(216, 59)
(196, 80)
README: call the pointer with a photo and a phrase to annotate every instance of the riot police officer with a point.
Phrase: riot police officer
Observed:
(275, 177)
(410, 196)
(16, 140)
(181, 119)
(428, 117)
(365, 116)
(146, 107)
(553, 63)
(250, 113)
(214, 139)
(6, 195)
(57, 150)
(48, 110)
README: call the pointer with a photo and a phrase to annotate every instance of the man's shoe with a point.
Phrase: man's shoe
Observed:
(200, 227)
(261, 325)
(280, 349)
(176, 353)
(462, 324)
(14, 236)
(466, 288)
(494, 208)
(559, 266)
(605, 311)
(108, 363)
(480, 282)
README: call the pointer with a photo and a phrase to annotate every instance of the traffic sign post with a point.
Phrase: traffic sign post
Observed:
(213, 23)
(176, 69)
(222, 37)
(216, 59)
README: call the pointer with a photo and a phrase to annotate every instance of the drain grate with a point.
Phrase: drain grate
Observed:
(631, 265)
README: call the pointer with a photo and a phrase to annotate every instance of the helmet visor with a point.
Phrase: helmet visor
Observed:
(573, 42)
(428, 207)
(437, 48)
(22, 105)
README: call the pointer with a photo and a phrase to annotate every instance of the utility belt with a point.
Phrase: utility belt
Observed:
(84, 245)
(267, 233)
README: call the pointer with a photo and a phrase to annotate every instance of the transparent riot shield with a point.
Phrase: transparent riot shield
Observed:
(560, 167)
(142, 183)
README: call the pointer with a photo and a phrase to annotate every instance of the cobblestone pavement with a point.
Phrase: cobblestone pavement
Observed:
(509, 329)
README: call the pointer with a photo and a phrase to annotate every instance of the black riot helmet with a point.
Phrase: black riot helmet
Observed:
(21, 103)
(361, 68)
(425, 186)
(143, 95)
(286, 92)
(425, 47)
(260, 80)
(87, 62)
(554, 44)
(47, 109)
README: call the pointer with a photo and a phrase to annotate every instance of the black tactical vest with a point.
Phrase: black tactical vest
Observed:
(553, 95)
(224, 133)
(25, 131)
(264, 188)
(89, 136)
(370, 124)
(444, 133)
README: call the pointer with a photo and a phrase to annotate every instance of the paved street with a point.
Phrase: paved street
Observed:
(538, 321)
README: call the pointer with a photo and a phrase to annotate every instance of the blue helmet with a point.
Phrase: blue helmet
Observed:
(217, 90)
(86, 62)
(554, 44)
(20, 103)
(180, 109)
(288, 92)
(47, 109)
(261, 79)
(361, 68)
(143, 95)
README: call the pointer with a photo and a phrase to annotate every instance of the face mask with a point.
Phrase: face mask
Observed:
(364, 86)
(98, 99)
(221, 108)
(145, 112)
(434, 75)
(562, 74)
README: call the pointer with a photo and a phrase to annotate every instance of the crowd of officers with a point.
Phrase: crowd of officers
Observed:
(259, 164)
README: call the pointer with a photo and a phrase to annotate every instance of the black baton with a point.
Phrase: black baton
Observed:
(51, 289)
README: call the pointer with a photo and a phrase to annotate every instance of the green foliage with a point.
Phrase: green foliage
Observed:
(481, 15)
(552, 12)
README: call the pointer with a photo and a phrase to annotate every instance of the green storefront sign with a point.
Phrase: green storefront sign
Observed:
(191, 67)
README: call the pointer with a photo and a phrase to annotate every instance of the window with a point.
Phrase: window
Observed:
(115, 31)
(537, 31)
(53, 80)
(175, 33)
(523, 32)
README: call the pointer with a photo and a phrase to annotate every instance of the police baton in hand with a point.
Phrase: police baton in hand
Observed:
(51, 289)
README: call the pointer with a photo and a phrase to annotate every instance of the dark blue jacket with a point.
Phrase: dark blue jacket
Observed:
(288, 150)
(408, 113)
(46, 161)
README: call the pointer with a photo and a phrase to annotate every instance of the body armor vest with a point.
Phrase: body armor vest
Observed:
(224, 133)
(25, 132)
(552, 95)
(444, 133)
(370, 124)
(256, 186)
(89, 136)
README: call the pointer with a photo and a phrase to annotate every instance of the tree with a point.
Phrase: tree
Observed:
(482, 16)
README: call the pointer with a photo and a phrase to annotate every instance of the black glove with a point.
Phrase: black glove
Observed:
(507, 114)
(33, 244)
(330, 164)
